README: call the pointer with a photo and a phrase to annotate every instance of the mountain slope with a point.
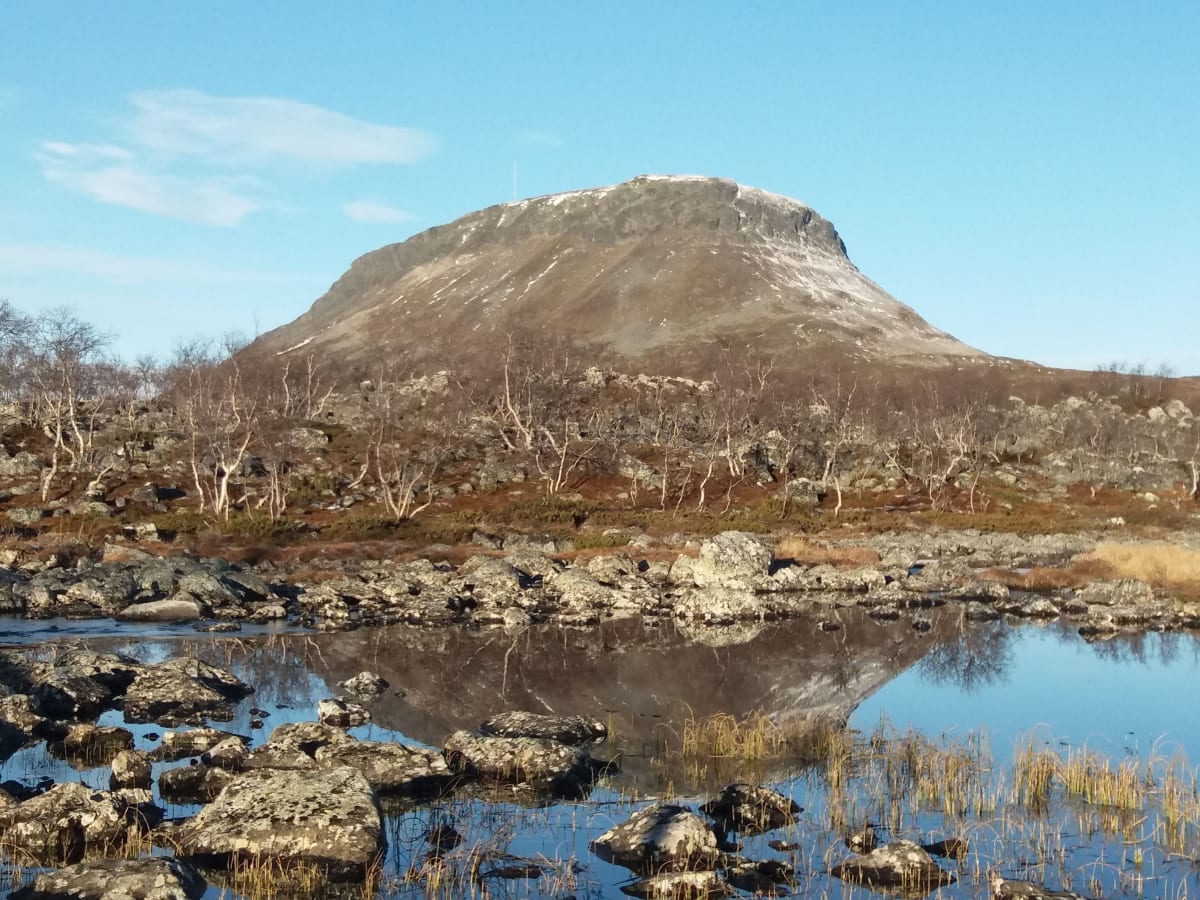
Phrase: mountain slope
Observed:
(655, 268)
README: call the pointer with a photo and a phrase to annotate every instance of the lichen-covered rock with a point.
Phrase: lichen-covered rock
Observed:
(150, 878)
(180, 608)
(190, 742)
(365, 685)
(130, 769)
(762, 879)
(519, 760)
(391, 768)
(680, 886)
(751, 809)
(18, 711)
(66, 694)
(980, 591)
(88, 746)
(169, 697)
(732, 558)
(342, 713)
(193, 784)
(719, 605)
(308, 736)
(564, 729)
(113, 670)
(901, 864)
(183, 690)
(220, 680)
(67, 820)
(1003, 889)
(1123, 592)
(230, 755)
(329, 818)
(659, 838)
(279, 756)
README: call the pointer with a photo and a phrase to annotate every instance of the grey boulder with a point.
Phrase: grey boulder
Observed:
(328, 818)
(564, 729)
(151, 878)
(659, 838)
(902, 864)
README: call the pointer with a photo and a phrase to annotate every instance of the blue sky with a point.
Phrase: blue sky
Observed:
(1025, 175)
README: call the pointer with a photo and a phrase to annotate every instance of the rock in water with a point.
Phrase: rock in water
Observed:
(572, 730)
(365, 685)
(391, 768)
(151, 878)
(540, 763)
(680, 886)
(751, 809)
(659, 838)
(329, 818)
(130, 769)
(341, 713)
(59, 825)
(901, 864)
(864, 841)
(1003, 889)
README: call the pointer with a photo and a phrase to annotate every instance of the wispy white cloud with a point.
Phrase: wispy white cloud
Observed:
(30, 258)
(375, 213)
(113, 175)
(194, 157)
(191, 123)
(541, 140)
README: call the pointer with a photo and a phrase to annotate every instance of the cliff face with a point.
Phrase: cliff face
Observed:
(656, 268)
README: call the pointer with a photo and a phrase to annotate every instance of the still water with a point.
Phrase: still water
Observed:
(993, 688)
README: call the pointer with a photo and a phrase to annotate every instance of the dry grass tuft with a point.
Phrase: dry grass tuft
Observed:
(1048, 578)
(1160, 564)
(800, 550)
(757, 737)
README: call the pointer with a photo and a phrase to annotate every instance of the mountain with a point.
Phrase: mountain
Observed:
(657, 270)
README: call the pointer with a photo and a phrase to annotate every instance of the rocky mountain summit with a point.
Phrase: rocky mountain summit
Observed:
(657, 268)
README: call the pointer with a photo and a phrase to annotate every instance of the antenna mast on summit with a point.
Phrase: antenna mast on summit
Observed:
(514, 178)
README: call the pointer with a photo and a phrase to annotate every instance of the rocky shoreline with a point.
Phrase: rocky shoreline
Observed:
(731, 578)
(313, 795)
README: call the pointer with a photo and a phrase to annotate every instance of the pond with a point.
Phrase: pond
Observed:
(950, 720)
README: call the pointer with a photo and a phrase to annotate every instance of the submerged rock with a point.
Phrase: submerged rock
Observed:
(662, 837)
(751, 809)
(329, 818)
(901, 864)
(1003, 889)
(150, 878)
(763, 879)
(951, 848)
(564, 729)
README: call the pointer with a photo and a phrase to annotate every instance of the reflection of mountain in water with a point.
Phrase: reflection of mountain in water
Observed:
(632, 674)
